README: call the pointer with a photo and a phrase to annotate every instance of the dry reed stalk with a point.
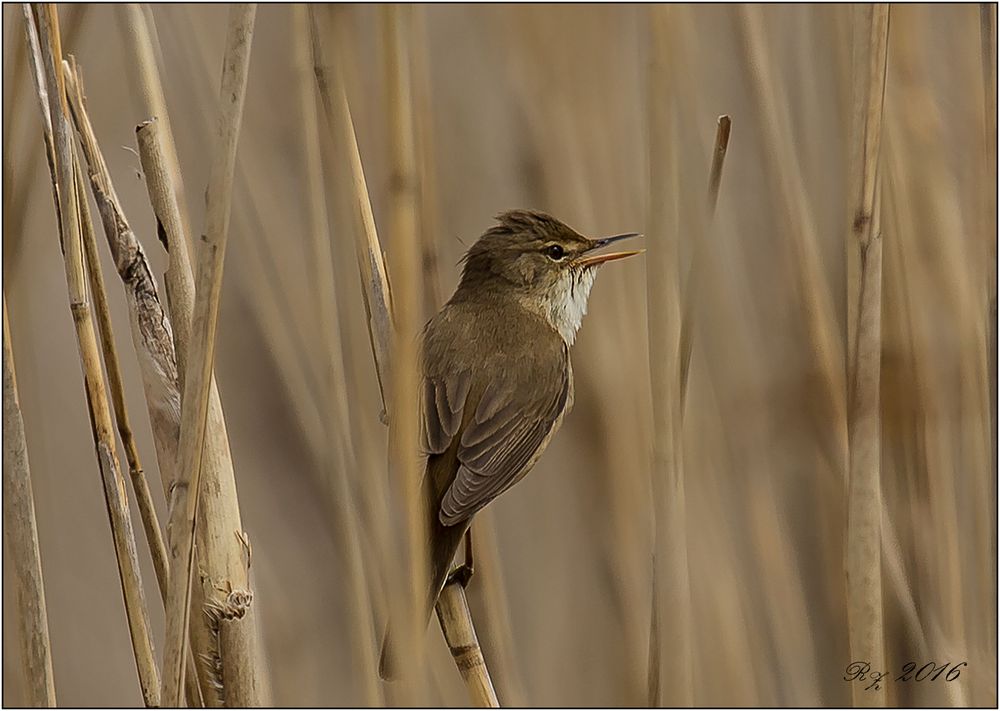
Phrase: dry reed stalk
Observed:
(42, 94)
(152, 140)
(218, 513)
(404, 463)
(337, 456)
(670, 663)
(371, 263)
(368, 433)
(140, 34)
(375, 285)
(18, 184)
(235, 629)
(864, 538)
(140, 485)
(15, 186)
(686, 337)
(21, 536)
(371, 266)
(283, 333)
(456, 622)
(785, 174)
(219, 510)
(334, 381)
(116, 498)
(220, 546)
(151, 328)
(723, 129)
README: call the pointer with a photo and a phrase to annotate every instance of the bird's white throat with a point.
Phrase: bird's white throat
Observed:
(568, 302)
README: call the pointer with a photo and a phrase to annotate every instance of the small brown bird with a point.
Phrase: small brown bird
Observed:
(496, 373)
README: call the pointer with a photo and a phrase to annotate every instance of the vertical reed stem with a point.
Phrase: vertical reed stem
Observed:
(21, 536)
(864, 539)
(240, 690)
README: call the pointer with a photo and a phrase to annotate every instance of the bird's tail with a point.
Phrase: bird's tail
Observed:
(444, 543)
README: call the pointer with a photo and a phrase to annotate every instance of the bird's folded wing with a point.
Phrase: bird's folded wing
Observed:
(500, 441)
(441, 410)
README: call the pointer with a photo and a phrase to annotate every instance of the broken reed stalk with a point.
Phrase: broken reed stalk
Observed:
(404, 428)
(337, 457)
(670, 667)
(116, 498)
(21, 537)
(223, 557)
(378, 303)
(723, 129)
(864, 538)
(235, 633)
(151, 329)
(152, 139)
(115, 494)
(216, 551)
(140, 486)
(139, 34)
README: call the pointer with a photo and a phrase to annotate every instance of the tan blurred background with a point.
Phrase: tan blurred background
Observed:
(546, 107)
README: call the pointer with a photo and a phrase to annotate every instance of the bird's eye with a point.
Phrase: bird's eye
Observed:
(554, 252)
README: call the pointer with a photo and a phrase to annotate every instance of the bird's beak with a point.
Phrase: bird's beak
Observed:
(594, 259)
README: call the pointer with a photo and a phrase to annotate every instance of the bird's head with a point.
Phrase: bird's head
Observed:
(541, 262)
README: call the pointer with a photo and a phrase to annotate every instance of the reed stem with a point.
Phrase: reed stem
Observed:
(21, 536)
(116, 498)
(864, 538)
(240, 688)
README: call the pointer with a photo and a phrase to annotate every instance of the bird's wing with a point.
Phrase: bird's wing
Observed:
(514, 416)
(442, 405)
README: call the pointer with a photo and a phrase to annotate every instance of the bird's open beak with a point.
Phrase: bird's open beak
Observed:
(593, 260)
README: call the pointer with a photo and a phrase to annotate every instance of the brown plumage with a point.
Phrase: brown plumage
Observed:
(496, 373)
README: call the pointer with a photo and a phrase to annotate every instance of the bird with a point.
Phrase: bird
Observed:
(496, 379)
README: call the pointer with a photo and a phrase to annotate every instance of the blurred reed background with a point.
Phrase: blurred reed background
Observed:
(549, 107)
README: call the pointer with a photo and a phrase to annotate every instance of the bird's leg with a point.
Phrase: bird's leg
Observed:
(463, 573)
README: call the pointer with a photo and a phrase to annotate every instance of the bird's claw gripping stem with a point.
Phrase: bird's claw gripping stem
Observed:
(463, 573)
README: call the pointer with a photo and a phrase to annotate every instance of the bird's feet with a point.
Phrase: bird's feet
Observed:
(461, 575)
